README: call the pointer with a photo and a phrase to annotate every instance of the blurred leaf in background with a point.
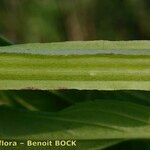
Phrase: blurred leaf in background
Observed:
(4, 41)
(61, 20)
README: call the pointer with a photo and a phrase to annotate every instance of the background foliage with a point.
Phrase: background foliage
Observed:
(24, 21)
(60, 20)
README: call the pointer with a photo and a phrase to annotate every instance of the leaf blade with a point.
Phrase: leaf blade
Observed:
(4, 41)
(113, 72)
(68, 124)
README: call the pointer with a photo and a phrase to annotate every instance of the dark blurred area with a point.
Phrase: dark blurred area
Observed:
(25, 21)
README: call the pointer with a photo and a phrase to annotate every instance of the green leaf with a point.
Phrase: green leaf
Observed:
(55, 100)
(132, 144)
(94, 92)
(89, 47)
(4, 41)
(97, 65)
(95, 123)
(35, 100)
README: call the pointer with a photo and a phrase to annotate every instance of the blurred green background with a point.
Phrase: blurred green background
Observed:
(25, 21)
